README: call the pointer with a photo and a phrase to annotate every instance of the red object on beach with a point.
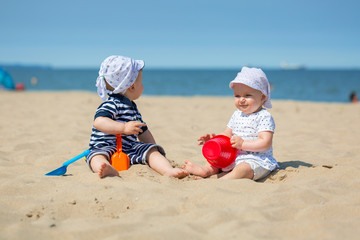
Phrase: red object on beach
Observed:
(20, 87)
(219, 152)
(119, 160)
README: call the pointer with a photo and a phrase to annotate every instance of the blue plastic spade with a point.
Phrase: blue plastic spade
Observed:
(62, 170)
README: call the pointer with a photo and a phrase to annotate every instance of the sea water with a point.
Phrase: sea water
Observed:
(303, 85)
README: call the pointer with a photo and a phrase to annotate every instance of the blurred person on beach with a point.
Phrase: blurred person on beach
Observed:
(6, 81)
(120, 83)
(353, 97)
(250, 129)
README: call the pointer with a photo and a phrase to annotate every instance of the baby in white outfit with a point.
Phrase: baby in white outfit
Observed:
(250, 129)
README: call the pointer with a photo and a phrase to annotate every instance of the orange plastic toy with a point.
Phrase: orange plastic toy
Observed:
(119, 160)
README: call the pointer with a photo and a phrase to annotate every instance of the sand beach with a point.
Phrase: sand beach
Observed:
(314, 195)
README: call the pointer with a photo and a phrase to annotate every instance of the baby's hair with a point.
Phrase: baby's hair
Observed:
(108, 87)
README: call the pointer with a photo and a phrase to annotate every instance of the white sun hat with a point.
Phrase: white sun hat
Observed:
(256, 79)
(119, 72)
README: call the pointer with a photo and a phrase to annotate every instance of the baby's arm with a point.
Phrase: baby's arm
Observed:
(207, 137)
(228, 132)
(147, 137)
(260, 144)
(107, 125)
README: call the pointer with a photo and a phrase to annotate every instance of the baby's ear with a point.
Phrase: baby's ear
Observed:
(263, 98)
(131, 88)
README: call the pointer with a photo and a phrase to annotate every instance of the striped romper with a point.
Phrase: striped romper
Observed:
(119, 108)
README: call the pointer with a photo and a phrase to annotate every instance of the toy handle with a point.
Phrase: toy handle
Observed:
(119, 160)
(84, 154)
(118, 143)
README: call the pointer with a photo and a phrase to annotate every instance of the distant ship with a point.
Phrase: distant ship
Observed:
(287, 66)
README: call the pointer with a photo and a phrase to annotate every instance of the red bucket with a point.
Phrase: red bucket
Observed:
(219, 152)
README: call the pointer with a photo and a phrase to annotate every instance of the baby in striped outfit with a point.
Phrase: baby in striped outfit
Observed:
(119, 84)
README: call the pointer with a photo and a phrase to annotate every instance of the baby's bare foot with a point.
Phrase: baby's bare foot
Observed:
(191, 167)
(107, 170)
(200, 171)
(177, 173)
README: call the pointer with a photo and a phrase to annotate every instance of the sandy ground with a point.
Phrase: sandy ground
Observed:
(314, 195)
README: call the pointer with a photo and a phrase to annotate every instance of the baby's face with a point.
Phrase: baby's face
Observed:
(247, 99)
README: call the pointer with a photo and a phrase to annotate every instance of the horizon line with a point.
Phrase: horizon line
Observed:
(301, 67)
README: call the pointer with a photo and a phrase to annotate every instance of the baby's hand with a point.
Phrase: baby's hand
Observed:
(205, 138)
(133, 127)
(236, 142)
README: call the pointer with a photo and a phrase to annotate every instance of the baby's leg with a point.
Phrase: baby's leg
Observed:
(101, 165)
(201, 171)
(161, 165)
(242, 170)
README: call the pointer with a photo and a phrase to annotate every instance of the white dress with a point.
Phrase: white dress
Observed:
(248, 127)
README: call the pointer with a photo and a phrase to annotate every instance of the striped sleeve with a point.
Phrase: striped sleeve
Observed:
(106, 109)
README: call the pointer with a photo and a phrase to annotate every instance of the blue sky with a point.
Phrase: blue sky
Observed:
(184, 33)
